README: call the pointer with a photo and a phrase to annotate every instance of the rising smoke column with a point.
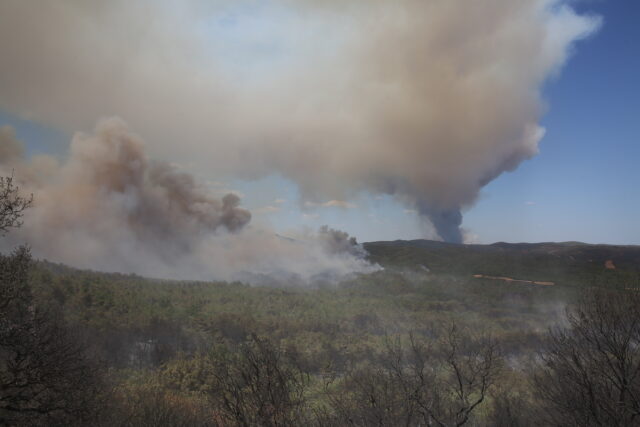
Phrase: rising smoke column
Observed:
(425, 100)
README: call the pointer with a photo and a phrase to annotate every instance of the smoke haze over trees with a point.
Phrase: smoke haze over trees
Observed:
(379, 348)
(137, 289)
(131, 214)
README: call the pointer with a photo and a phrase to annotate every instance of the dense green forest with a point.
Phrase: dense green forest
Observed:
(421, 342)
(161, 344)
(159, 335)
(568, 263)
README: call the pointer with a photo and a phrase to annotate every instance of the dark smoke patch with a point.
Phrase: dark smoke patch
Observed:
(156, 198)
(446, 222)
(339, 242)
(108, 187)
(171, 201)
(109, 207)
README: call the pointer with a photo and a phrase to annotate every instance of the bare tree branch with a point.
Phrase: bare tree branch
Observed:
(12, 205)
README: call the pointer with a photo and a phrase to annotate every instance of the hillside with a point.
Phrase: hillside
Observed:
(566, 263)
(163, 342)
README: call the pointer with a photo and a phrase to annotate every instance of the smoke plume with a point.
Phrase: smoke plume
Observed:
(110, 207)
(425, 100)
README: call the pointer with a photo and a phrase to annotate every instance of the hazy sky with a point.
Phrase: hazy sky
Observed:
(583, 185)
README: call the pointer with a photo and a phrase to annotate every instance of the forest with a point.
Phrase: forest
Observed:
(435, 338)
(283, 213)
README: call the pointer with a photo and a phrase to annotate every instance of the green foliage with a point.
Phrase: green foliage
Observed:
(569, 263)
(46, 377)
(180, 351)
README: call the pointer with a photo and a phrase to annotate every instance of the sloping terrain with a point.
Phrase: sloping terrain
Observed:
(567, 263)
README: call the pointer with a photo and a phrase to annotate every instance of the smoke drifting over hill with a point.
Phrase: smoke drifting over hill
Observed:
(427, 101)
(110, 207)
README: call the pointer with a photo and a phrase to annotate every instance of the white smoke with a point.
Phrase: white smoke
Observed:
(426, 100)
(109, 207)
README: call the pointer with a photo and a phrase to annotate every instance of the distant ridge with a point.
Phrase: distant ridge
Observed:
(439, 243)
(574, 263)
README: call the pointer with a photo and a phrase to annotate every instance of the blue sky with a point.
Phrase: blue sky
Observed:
(584, 185)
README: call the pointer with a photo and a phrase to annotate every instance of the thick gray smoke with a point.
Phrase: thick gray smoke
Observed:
(426, 100)
(110, 207)
(339, 242)
(109, 179)
(446, 222)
